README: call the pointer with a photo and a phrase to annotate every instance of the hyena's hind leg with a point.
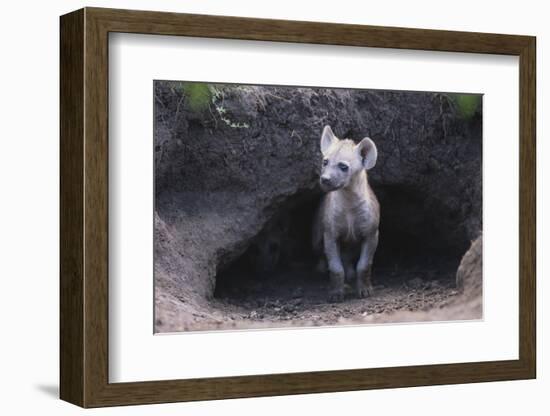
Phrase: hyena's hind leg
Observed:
(349, 267)
(318, 245)
(321, 267)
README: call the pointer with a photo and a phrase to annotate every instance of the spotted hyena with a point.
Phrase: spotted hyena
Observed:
(346, 225)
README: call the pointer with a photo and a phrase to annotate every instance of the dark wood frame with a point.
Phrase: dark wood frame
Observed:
(84, 211)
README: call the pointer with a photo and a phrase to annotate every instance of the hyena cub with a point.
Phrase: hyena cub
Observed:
(346, 225)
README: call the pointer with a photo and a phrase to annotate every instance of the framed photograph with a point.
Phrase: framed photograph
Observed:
(255, 207)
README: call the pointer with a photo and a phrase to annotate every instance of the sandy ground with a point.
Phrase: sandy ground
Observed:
(299, 298)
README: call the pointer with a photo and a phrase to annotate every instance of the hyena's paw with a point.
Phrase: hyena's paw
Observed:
(336, 295)
(364, 290)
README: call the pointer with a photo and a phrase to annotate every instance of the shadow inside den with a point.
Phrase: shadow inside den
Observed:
(280, 266)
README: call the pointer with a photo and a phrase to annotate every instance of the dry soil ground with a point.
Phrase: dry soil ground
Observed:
(299, 298)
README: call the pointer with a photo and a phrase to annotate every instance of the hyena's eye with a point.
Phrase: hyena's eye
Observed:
(325, 162)
(343, 167)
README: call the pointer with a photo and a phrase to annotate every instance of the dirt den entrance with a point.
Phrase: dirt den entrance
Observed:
(275, 280)
(236, 186)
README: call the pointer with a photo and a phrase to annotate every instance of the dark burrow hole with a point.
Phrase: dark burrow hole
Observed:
(418, 240)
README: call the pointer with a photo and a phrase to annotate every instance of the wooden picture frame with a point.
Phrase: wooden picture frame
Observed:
(84, 207)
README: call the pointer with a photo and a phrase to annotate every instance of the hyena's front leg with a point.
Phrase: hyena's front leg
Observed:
(364, 267)
(336, 269)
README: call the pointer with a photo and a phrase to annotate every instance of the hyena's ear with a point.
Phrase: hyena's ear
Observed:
(367, 152)
(327, 139)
